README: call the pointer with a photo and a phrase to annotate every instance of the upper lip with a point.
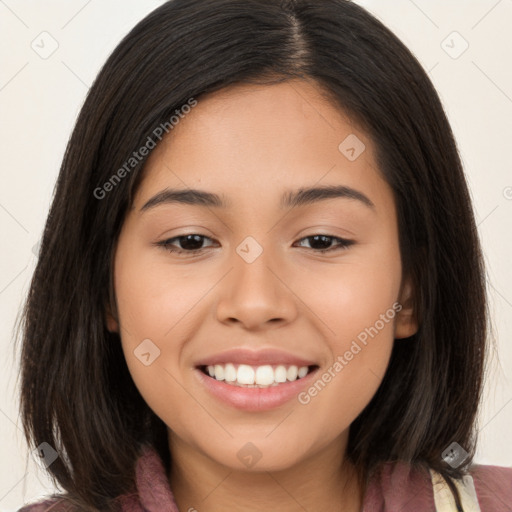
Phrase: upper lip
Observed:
(243, 355)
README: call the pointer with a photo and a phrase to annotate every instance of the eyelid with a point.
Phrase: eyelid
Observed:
(343, 243)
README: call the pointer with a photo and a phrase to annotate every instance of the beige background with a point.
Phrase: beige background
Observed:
(40, 98)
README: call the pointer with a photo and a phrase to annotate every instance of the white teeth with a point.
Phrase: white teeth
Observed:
(291, 373)
(219, 372)
(265, 375)
(256, 376)
(280, 374)
(303, 371)
(245, 374)
(229, 373)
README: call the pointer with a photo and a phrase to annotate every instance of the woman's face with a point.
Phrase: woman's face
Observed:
(259, 286)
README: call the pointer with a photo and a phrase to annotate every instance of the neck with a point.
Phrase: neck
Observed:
(324, 481)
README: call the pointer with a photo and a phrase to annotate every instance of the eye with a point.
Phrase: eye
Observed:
(189, 243)
(193, 243)
(324, 243)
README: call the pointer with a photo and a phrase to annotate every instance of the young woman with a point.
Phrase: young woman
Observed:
(260, 285)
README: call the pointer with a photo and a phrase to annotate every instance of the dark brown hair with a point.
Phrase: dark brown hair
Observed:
(76, 391)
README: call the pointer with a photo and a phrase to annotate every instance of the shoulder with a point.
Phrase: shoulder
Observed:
(493, 486)
(403, 486)
(61, 504)
(48, 505)
(399, 486)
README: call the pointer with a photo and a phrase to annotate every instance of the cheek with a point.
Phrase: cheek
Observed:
(356, 300)
(153, 297)
(157, 308)
(351, 296)
(357, 306)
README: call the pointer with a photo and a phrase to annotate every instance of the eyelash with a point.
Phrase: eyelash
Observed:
(167, 244)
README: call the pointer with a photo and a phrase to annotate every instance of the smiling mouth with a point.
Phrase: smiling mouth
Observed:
(250, 376)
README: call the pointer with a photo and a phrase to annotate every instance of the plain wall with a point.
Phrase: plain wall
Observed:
(40, 99)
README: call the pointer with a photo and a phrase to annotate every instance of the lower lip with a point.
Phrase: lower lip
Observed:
(255, 399)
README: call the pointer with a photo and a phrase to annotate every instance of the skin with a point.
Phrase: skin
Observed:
(251, 143)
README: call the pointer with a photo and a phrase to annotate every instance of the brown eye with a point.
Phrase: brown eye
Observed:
(322, 243)
(191, 243)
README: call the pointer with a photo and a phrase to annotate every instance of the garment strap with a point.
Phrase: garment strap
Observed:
(444, 499)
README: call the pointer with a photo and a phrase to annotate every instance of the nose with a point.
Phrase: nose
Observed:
(257, 294)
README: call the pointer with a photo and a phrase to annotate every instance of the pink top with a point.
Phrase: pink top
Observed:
(397, 487)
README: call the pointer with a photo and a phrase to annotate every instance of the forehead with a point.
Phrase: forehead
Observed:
(261, 138)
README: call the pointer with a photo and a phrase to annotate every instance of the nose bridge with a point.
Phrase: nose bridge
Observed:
(253, 280)
(255, 293)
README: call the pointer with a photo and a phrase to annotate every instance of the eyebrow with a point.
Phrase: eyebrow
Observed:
(290, 198)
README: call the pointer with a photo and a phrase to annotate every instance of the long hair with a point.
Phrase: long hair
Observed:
(77, 394)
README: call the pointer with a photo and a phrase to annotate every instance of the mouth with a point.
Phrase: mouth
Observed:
(255, 380)
(255, 388)
(250, 376)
